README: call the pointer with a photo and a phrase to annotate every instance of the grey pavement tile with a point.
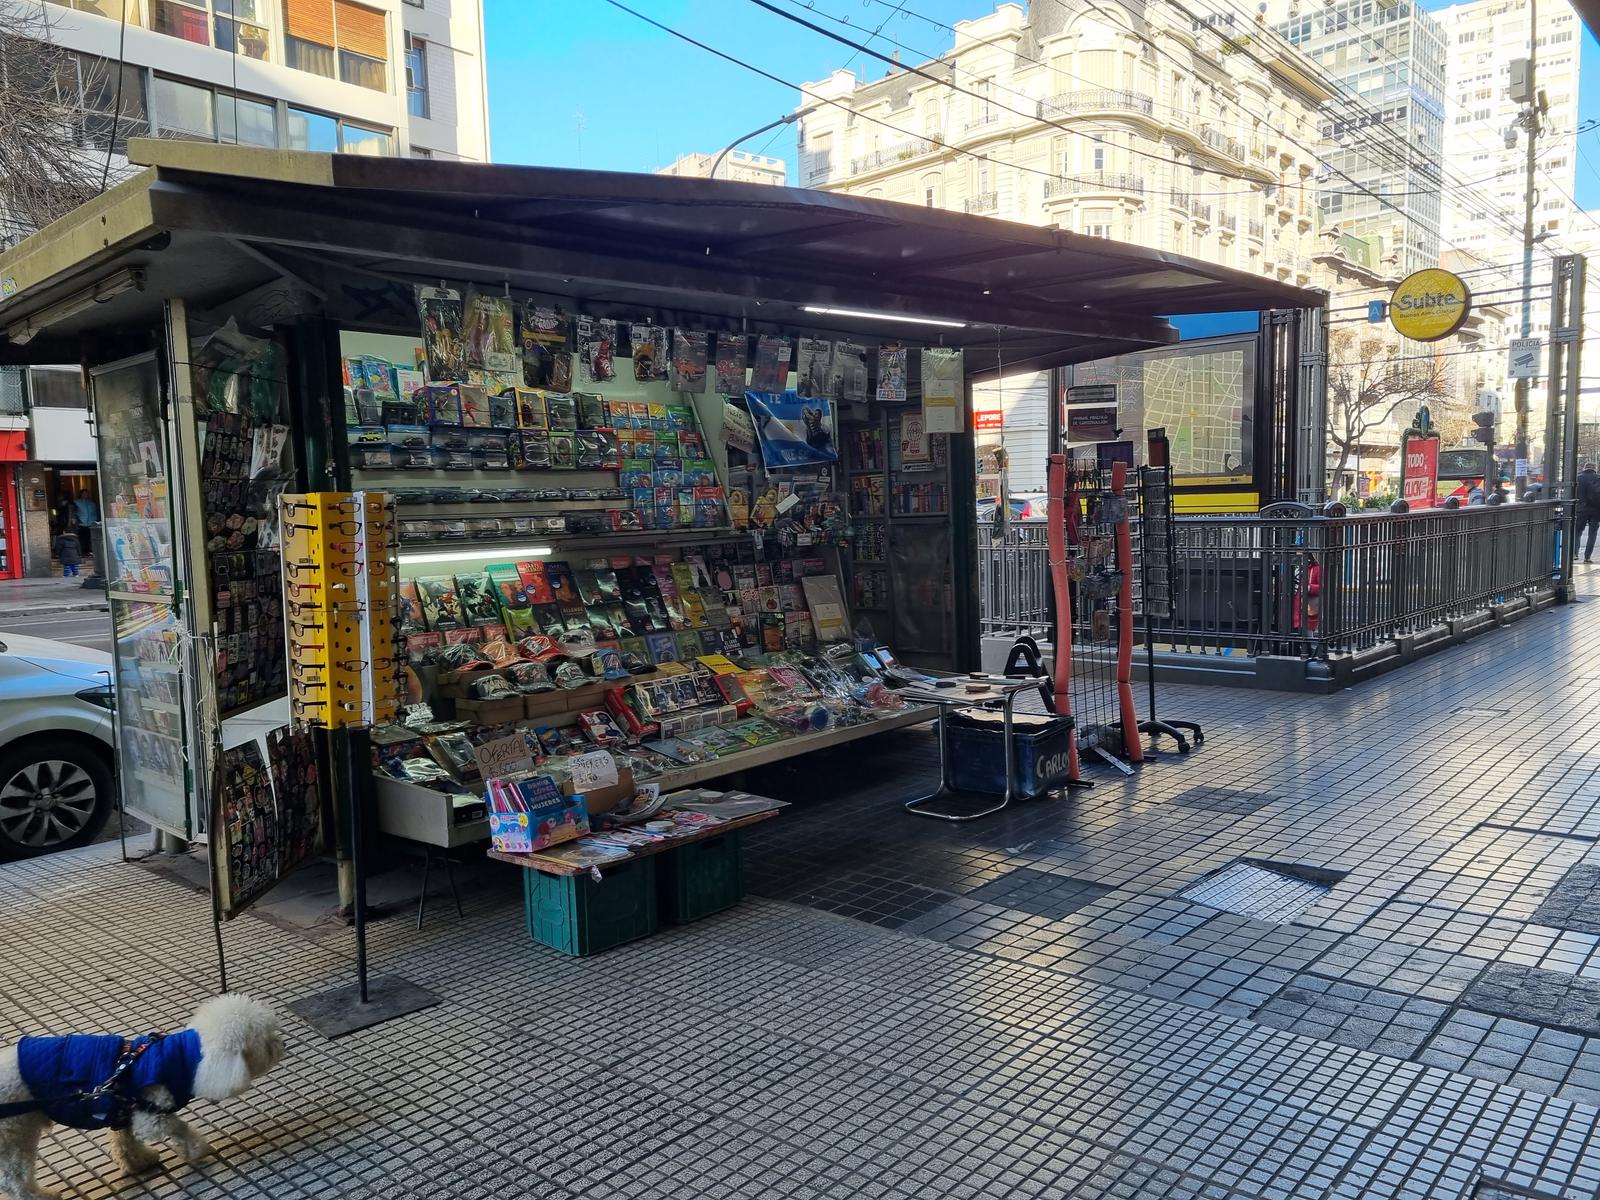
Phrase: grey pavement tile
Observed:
(1539, 997)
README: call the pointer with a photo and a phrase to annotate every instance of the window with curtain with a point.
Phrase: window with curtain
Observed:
(176, 19)
(339, 39)
(240, 27)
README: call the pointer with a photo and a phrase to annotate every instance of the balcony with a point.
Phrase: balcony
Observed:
(889, 155)
(1303, 265)
(1179, 200)
(1230, 223)
(1096, 100)
(1094, 182)
(984, 120)
(1257, 230)
(984, 202)
(1222, 143)
(1200, 211)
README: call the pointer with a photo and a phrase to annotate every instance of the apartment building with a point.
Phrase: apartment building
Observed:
(1136, 122)
(739, 165)
(1384, 130)
(1484, 220)
(398, 77)
(381, 77)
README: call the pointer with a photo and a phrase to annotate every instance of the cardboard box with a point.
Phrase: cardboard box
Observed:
(457, 685)
(591, 695)
(545, 825)
(491, 712)
(603, 800)
(544, 704)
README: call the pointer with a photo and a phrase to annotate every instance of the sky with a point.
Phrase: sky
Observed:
(582, 83)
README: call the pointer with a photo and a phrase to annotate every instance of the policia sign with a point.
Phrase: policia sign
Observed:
(1429, 305)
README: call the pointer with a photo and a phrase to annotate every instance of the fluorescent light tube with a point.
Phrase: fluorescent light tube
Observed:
(868, 315)
(438, 556)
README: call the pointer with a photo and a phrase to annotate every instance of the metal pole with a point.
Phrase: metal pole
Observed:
(1530, 118)
(788, 119)
(1578, 268)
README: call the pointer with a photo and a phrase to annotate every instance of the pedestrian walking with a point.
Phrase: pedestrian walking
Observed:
(1588, 509)
(70, 554)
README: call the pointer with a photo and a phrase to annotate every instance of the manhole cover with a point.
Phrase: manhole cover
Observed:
(1277, 892)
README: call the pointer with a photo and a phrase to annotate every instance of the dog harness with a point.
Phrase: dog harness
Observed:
(95, 1081)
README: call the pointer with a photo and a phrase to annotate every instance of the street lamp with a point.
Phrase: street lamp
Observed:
(788, 119)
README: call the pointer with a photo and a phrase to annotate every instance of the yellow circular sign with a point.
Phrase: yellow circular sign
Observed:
(1429, 304)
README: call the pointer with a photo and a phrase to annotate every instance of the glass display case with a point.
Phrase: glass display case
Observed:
(141, 575)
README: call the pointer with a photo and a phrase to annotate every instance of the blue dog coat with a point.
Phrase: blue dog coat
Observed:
(61, 1072)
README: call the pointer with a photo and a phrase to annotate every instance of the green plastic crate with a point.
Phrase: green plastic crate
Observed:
(699, 879)
(577, 916)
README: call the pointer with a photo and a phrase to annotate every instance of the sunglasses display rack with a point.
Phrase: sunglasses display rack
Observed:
(340, 586)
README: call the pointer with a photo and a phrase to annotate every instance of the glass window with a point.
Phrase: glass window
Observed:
(240, 27)
(308, 56)
(112, 9)
(311, 131)
(363, 71)
(358, 139)
(182, 109)
(246, 121)
(416, 76)
(179, 20)
(1204, 396)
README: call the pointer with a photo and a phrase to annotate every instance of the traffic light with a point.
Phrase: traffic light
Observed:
(1483, 428)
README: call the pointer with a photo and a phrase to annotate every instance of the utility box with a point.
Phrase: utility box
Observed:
(1521, 90)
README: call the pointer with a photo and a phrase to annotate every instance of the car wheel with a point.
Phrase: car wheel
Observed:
(55, 794)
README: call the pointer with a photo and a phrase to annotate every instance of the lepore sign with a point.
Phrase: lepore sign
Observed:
(1419, 474)
(1429, 304)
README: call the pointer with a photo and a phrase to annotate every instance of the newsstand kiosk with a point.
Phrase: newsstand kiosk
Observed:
(612, 455)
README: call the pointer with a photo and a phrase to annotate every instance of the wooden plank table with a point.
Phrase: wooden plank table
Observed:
(556, 866)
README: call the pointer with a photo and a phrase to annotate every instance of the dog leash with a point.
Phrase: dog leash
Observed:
(119, 1073)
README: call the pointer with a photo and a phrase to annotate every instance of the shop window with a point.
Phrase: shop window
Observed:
(337, 39)
(247, 122)
(181, 109)
(416, 76)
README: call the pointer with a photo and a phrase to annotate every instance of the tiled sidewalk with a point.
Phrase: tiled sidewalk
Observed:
(1407, 1004)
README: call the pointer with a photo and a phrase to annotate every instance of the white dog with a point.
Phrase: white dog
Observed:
(132, 1087)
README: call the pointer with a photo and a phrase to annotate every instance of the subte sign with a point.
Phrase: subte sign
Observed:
(1429, 304)
(1419, 475)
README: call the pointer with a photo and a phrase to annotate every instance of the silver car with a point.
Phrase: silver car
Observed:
(56, 769)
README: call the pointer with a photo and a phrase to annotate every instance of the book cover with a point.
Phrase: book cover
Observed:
(439, 604)
(663, 647)
(479, 603)
(535, 584)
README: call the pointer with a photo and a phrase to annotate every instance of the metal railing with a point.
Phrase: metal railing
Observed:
(1014, 580)
(1096, 100)
(1230, 222)
(890, 154)
(1179, 199)
(983, 202)
(1094, 181)
(1222, 142)
(1201, 211)
(1257, 230)
(1309, 587)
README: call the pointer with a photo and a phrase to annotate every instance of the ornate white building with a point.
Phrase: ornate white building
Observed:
(1110, 120)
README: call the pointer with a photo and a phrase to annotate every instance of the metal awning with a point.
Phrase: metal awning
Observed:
(207, 223)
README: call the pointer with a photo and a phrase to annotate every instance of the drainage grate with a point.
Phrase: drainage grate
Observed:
(1267, 891)
(1223, 800)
